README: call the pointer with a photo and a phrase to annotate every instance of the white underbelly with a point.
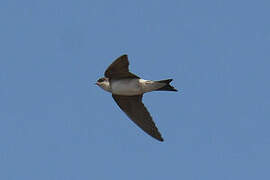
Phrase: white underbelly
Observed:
(126, 87)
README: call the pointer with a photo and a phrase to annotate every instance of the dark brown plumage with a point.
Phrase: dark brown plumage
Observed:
(137, 112)
(119, 69)
(132, 105)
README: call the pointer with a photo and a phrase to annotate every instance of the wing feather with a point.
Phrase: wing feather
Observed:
(119, 69)
(137, 112)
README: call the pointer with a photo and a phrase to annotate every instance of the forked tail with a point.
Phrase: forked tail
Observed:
(167, 86)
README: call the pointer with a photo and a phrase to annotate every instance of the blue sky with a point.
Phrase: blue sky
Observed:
(56, 125)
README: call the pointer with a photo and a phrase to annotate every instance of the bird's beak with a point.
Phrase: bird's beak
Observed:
(96, 83)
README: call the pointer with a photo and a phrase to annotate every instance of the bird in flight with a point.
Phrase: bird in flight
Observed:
(127, 90)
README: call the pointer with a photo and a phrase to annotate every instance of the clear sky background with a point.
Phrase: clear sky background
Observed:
(56, 125)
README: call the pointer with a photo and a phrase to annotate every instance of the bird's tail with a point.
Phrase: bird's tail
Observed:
(167, 86)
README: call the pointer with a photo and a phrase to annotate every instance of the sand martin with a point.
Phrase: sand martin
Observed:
(127, 90)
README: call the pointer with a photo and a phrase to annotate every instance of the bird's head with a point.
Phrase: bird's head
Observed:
(104, 83)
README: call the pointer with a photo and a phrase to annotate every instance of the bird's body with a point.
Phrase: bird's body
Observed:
(126, 87)
(131, 87)
(127, 90)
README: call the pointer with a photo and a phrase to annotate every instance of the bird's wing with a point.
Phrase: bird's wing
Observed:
(137, 112)
(119, 69)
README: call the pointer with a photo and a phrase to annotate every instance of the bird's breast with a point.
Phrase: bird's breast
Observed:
(126, 87)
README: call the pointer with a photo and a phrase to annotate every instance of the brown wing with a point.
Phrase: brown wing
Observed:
(119, 69)
(137, 112)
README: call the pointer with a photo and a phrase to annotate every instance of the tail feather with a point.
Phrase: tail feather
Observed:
(167, 86)
(167, 81)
